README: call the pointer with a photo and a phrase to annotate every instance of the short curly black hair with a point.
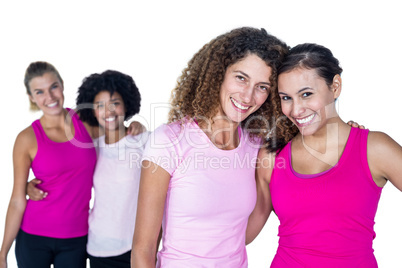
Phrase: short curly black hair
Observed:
(110, 81)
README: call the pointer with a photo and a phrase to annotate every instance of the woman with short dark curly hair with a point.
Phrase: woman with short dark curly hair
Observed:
(113, 97)
(110, 81)
(197, 178)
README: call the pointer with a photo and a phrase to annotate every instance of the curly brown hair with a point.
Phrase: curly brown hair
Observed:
(196, 94)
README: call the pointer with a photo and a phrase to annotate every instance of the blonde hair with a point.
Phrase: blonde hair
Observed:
(36, 69)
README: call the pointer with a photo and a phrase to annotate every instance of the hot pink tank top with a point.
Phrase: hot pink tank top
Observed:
(326, 219)
(66, 170)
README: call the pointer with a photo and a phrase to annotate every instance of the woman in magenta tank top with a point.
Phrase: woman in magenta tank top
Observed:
(59, 150)
(325, 184)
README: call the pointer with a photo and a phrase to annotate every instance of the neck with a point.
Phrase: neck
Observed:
(222, 133)
(327, 143)
(58, 120)
(113, 136)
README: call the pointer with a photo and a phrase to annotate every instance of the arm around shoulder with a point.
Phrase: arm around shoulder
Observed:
(384, 156)
(263, 207)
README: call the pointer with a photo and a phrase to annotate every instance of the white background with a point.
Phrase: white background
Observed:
(153, 41)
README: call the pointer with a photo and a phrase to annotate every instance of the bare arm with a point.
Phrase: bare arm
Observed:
(136, 128)
(151, 202)
(23, 148)
(133, 129)
(385, 159)
(263, 207)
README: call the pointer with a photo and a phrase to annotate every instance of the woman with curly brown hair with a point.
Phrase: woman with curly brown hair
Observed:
(197, 179)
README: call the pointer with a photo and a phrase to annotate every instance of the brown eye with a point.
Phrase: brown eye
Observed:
(241, 78)
(307, 94)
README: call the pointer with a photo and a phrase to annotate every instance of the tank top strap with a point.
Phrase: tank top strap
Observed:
(39, 132)
(80, 131)
(363, 133)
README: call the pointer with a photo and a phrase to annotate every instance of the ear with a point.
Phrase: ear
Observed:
(336, 86)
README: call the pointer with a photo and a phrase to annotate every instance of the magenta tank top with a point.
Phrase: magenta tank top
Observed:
(66, 170)
(326, 219)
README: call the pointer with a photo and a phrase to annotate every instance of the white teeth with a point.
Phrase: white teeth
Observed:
(51, 105)
(238, 105)
(305, 120)
(110, 119)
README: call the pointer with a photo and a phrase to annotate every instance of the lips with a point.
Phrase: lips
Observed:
(241, 107)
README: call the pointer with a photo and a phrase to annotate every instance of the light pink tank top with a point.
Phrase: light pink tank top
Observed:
(326, 219)
(66, 170)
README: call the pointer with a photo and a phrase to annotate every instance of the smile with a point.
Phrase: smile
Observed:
(51, 105)
(306, 120)
(110, 119)
(238, 105)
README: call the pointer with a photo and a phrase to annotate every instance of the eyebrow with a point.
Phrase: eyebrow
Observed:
(303, 89)
(246, 75)
(37, 89)
(300, 91)
(115, 99)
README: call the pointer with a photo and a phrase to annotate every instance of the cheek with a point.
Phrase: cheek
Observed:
(285, 108)
(32, 98)
(97, 114)
(121, 109)
(320, 106)
(261, 98)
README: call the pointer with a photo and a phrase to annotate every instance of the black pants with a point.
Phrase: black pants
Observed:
(121, 261)
(33, 251)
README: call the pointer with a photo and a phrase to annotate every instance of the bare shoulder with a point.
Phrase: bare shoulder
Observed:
(265, 164)
(26, 141)
(379, 141)
(384, 157)
(26, 136)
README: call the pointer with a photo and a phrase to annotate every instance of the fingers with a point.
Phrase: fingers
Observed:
(355, 124)
(33, 192)
(36, 181)
(135, 128)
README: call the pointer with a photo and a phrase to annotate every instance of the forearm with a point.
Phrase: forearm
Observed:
(143, 257)
(256, 222)
(14, 216)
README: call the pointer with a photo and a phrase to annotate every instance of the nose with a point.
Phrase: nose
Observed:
(247, 94)
(297, 108)
(110, 109)
(49, 95)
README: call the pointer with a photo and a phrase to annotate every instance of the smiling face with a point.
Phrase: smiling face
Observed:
(46, 92)
(307, 100)
(245, 88)
(109, 110)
